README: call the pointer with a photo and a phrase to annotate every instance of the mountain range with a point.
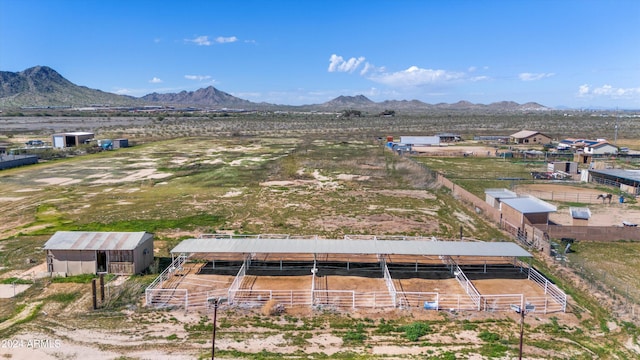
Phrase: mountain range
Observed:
(43, 87)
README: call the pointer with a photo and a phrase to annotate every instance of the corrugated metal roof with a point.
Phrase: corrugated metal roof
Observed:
(529, 205)
(500, 193)
(85, 240)
(349, 246)
(633, 175)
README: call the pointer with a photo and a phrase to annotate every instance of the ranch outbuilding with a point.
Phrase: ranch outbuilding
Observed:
(70, 139)
(84, 252)
(627, 181)
(530, 138)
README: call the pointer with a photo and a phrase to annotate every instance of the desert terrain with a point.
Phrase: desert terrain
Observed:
(179, 181)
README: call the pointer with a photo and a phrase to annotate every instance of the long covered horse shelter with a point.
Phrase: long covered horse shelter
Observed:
(387, 267)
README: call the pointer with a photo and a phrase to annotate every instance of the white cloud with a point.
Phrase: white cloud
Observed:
(583, 90)
(200, 40)
(533, 77)
(369, 68)
(223, 40)
(608, 91)
(197, 77)
(155, 80)
(337, 63)
(415, 76)
(479, 78)
(412, 77)
(203, 40)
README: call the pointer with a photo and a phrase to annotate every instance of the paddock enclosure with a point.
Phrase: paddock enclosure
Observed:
(352, 273)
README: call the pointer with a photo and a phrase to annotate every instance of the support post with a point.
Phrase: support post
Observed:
(94, 294)
(216, 302)
(101, 288)
(521, 332)
(213, 337)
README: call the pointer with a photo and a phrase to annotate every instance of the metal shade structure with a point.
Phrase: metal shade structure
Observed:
(286, 245)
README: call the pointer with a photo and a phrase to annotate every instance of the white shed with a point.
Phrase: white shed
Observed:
(420, 140)
(494, 196)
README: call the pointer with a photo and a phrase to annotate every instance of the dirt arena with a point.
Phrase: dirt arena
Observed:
(603, 213)
(360, 287)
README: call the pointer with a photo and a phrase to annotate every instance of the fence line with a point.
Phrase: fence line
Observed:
(164, 276)
(167, 298)
(564, 196)
(549, 288)
(389, 281)
(235, 285)
(290, 298)
(500, 302)
(411, 299)
(467, 285)
(352, 299)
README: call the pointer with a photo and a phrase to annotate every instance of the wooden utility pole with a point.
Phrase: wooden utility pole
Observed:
(101, 288)
(94, 292)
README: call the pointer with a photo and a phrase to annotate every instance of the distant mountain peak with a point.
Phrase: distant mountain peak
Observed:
(43, 86)
(348, 101)
(204, 97)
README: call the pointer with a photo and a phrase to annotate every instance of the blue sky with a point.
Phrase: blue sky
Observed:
(580, 54)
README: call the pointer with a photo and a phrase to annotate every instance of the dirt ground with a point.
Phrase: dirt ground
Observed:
(602, 213)
(88, 341)
(454, 150)
(508, 286)
(443, 286)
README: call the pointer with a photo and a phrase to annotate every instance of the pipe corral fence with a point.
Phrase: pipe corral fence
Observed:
(164, 291)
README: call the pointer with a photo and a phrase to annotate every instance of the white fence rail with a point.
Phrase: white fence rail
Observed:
(289, 298)
(501, 302)
(163, 293)
(467, 285)
(166, 298)
(418, 299)
(235, 285)
(352, 299)
(389, 281)
(549, 288)
(154, 294)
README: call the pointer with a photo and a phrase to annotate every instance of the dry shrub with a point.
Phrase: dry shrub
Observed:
(272, 308)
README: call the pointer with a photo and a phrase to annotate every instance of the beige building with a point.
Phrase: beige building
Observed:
(530, 138)
(83, 252)
(519, 214)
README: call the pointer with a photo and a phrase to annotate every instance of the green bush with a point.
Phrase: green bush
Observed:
(489, 336)
(416, 330)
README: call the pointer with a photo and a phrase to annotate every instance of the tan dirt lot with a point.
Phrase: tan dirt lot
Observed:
(602, 213)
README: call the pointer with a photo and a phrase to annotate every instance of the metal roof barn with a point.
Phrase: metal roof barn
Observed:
(84, 252)
(81, 240)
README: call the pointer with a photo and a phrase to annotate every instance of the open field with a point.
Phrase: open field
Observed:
(297, 175)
